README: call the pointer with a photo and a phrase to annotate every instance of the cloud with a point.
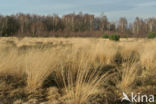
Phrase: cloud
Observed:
(147, 4)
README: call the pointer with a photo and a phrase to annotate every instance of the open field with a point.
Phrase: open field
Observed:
(75, 70)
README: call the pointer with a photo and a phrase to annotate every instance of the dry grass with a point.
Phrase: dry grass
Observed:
(129, 75)
(82, 70)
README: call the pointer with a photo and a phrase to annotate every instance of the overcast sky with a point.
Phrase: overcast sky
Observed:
(111, 8)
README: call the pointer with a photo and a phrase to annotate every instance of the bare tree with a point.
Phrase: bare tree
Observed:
(123, 25)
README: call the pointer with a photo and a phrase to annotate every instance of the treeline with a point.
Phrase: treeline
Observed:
(83, 25)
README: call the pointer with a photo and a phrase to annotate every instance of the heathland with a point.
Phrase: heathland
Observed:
(75, 70)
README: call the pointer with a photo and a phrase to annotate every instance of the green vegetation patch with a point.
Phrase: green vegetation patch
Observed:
(114, 37)
(105, 36)
(151, 35)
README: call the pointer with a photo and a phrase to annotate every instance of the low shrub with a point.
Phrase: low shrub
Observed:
(105, 36)
(114, 37)
(5, 35)
(151, 35)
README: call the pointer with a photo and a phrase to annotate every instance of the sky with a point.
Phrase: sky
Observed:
(113, 9)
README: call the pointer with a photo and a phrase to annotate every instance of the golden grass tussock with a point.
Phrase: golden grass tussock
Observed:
(38, 66)
(10, 62)
(80, 70)
(77, 77)
(129, 75)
